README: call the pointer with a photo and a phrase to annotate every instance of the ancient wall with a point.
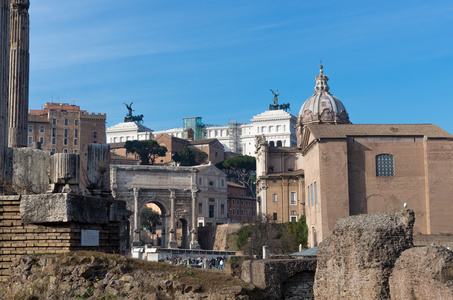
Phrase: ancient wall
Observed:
(357, 260)
(18, 239)
(279, 276)
(423, 273)
(369, 193)
(439, 178)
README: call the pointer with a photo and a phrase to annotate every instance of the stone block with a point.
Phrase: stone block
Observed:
(63, 207)
(357, 260)
(426, 272)
(28, 170)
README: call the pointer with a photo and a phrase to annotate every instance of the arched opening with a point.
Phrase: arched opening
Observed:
(152, 222)
(182, 234)
(299, 286)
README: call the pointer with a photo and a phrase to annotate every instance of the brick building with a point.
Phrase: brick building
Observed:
(241, 208)
(340, 169)
(65, 128)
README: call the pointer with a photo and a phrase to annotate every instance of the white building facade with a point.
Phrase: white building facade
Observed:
(278, 127)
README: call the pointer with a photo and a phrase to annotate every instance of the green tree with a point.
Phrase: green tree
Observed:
(244, 168)
(190, 156)
(149, 218)
(147, 150)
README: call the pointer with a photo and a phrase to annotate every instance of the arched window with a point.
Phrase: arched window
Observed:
(385, 165)
(271, 144)
(279, 143)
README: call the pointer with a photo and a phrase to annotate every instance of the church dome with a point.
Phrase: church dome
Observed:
(322, 106)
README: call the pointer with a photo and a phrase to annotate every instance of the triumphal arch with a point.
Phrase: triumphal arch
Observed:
(172, 189)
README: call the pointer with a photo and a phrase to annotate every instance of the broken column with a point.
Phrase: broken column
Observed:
(4, 65)
(19, 69)
(98, 170)
(64, 173)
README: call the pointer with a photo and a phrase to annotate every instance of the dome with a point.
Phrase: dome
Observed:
(322, 106)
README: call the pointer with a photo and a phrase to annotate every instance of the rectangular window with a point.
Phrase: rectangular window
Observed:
(41, 140)
(211, 211)
(311, 195)
(274, 197)
(222, 209)
(293, 219)
(54, 121)
(274, 216)
(293, 198)
(316, 194)
(53, 141)
(242, 202)
(242, 212)
(53, 150)
(76, 133)
(75, 151)
(65, 150)
(30, 128)
(65, 141)
(95, 134)
(41, 128)
(54, 132)
(66, 122)
(233, 201)
(76, 142)
(66, 132)
(76, 122)
(30, 140)
(200, 208)
(308, 195)
(211, 200)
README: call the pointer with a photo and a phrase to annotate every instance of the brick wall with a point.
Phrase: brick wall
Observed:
(17, 239)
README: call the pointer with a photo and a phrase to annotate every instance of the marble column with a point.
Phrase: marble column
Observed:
(98, 170)
(172, 242)
(4, 75)
(194, 237)
(136, 230)
(19, 69)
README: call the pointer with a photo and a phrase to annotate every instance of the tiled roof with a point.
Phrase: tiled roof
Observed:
(320, 131)
(203, 141)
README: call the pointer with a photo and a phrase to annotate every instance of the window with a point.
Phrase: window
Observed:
(54, 132)
(274, 197)
(66, 132)
(76, 122)
(293, 213)
(233, 201)
(95, 134)
(65, 150)
(54, 121)
(308, 195)
(242, 212)
(211, 211)
(279, 143)
(30, 140)
(274, 216)
(41, 128)
(65, 141)
(200, 208)
(76, 133)
(211, 200)
(53, 150)
(41, 140)
(75, 151)
(293, 218)
(242, 202)
(222, 209)
(311, 195)
(271, 128)
(272, 144)
(384, 165)
(53, 141)
(293, 198)
(316, 194)
(30, 128)
(76, 142)
(66, 122)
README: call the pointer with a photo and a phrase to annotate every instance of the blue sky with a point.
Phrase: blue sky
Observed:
(388, 61)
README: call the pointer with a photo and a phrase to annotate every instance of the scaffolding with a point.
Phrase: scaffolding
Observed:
(235, 133)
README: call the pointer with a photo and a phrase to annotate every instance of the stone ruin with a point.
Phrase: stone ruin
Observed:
(372, 257)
